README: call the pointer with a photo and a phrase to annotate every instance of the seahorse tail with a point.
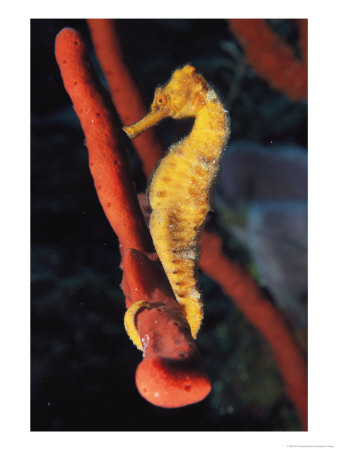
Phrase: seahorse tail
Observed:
(130, 322)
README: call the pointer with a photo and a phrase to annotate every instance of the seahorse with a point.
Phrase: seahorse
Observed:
(180, 185)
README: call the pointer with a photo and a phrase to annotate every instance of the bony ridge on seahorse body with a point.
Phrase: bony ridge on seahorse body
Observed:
(180, 184)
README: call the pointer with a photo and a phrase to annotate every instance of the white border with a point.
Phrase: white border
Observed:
(15, 219)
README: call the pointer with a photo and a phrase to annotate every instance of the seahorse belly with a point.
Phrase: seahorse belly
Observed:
(178, 195)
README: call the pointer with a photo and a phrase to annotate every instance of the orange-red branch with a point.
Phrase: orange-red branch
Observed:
(125, 95)
(107, 159)
(272, 58)
(171, 374)
(248, 297)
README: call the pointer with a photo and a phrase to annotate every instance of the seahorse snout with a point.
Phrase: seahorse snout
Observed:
(148, 121)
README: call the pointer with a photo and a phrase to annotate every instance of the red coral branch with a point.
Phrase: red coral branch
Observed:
(125, 95)
(171, 373)
(246, 294)
(107, 160)
(272, 58)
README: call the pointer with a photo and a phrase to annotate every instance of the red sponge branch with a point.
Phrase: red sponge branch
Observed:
(248, 297)
(171, 373)
(271, 57)
(125, 95)
(107, 161)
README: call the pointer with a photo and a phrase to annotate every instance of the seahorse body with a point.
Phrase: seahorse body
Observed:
(180, 185)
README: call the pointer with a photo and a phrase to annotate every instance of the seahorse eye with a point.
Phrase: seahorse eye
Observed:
(161, 100)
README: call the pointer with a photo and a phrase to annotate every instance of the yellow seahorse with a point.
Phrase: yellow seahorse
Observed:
(180, 185)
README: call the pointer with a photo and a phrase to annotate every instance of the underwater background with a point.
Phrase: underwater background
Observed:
(82, 362)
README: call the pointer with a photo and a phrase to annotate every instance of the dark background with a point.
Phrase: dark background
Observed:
(82, 362)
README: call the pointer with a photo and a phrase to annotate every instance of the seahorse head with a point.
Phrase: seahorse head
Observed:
(183, 96)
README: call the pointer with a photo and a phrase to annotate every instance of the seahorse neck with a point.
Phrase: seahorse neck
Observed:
(209, 132)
